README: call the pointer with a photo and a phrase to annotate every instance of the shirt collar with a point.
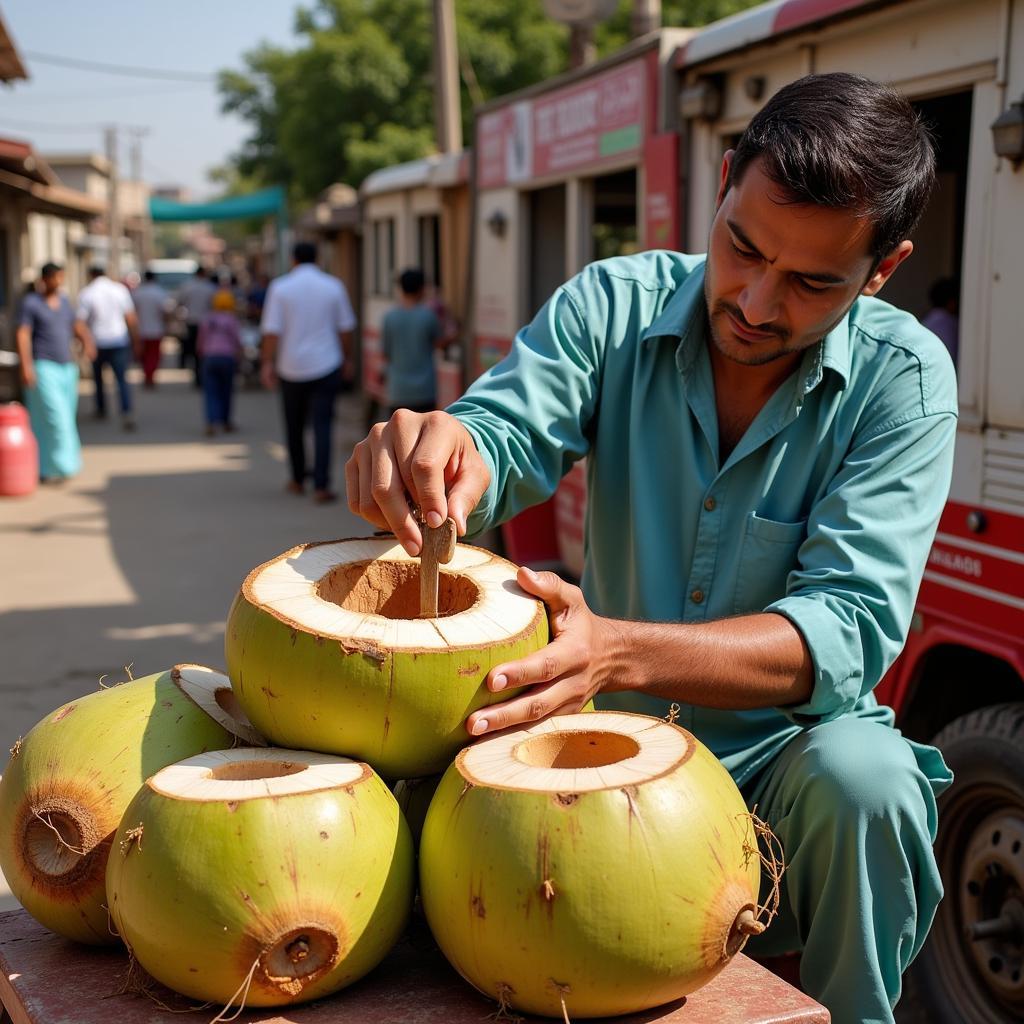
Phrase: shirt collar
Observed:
(683, 318)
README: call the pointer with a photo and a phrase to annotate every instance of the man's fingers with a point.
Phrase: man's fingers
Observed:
(556, 659)
(425, 469)
(365, 506)
(532, 706)
(469, 479)
(387, 492)
(552, 590)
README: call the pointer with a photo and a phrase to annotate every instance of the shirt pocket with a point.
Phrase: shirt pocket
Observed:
(767, 556)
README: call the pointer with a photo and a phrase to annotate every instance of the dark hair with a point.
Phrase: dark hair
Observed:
(304, 252)
(96, 271)
(149, 275)
(49, 269)
(944, 291)
(200, 271)
(844, 141)
(412, 281)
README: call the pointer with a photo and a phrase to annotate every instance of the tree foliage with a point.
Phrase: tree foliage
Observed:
(357, 93)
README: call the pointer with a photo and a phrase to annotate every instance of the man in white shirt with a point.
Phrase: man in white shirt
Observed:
(151, 302)
(197, 298)
(307, 346)
(105, 307)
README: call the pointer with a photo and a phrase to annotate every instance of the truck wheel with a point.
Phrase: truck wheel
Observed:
(972, 967)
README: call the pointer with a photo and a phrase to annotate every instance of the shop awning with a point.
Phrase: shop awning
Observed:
(269, 201)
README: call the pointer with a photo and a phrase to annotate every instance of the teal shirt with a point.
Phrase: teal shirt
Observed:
(824, 512)
(408, 337)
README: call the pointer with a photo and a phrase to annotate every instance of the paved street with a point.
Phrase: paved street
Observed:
(136, 561)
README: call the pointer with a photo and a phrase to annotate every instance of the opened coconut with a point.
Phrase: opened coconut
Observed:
(261, 877)
(326, 652)
(589, 865)
(70, 779)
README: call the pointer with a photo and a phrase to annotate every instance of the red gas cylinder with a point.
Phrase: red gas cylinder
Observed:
(19, 453)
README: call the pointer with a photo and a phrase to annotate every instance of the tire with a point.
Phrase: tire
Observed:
(980, 851)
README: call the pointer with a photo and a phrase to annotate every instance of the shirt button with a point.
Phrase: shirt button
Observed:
(709, 504)
(697, 596)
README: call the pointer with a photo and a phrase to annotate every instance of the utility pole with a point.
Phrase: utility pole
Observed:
(447, 108)
(113, 205)
(582, 47)
(646, 17)
(145, 238)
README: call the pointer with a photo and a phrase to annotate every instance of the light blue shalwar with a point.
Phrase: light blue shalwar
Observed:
(52, 407)
(823, 513)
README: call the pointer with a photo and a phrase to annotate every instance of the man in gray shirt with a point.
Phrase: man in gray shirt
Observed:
(410, 333)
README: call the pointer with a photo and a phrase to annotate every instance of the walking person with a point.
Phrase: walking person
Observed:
(409, 334)
(307, 347)
(196, 296)
(151, 302)
(49, 373)
(106, 308)
(218, 345)
(769, 449)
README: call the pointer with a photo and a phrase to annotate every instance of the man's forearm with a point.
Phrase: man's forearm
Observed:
(23, 341)
(348, 345)
(752, 661)
(268, 349)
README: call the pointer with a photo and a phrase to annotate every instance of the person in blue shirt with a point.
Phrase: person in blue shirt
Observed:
(409, 334)
(769, 448)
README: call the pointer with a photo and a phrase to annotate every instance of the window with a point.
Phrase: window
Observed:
(383, 256)
(429, 249)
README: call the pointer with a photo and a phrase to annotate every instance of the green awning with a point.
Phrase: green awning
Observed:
(255, 204)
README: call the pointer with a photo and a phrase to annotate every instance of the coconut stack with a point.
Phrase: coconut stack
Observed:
(589, 865)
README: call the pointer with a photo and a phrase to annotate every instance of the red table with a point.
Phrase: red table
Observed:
(48, 980)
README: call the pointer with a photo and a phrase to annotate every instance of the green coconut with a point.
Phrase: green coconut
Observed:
(326, 652)
(261, 877)
(592, 865)
(70, 779)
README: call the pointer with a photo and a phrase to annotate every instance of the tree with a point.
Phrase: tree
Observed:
(357, 93)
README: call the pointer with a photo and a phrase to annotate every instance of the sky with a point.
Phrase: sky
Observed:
(61, 109)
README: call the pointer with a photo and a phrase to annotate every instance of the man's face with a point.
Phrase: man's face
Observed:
(52, 282)
(780, 276)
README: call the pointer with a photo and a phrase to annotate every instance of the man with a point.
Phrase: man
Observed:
(307, 345)
(409, 334)
(196, 297)
(105, 307)
(49, 374)
(769, 449)
(943, 319)
(151, 302)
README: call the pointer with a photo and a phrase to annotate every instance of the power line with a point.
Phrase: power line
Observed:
(119, 69)
(106, 94)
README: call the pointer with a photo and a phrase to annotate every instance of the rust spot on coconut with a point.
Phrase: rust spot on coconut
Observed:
(324, 835)
(166, 704)
(566, 799)
(367, 648)
(269, 692)
(547, 890)
(318, 640)
(63, 713)
(295, 636)
(470, 670)
(477, 905)
(232, 806)
(387, 727)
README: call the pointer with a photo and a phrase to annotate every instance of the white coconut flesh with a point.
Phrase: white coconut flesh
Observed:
(212, 692)
(222, 776)
(577, 754)
(368, 589)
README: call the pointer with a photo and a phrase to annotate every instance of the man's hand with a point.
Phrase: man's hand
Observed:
(348, 372)
(428, 457)
(268, 378)
(562, 676)
(27, 373)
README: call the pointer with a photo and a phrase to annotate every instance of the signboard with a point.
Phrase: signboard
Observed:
(661, 229)
(576, 127)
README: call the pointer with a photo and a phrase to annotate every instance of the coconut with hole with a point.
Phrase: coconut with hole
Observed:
(325, 650)
(70, 779)
(261, 877)
(589, 865)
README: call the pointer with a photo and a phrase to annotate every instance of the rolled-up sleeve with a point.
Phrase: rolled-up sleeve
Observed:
(529, 414)
(853, 593)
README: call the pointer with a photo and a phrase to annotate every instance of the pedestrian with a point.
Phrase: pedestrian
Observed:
(769, 448)
(218, 346)
(49, 373)
(410, 332)
(307, 346)
(106, 308)
(943, 319)
(151, 307)
(195, 296)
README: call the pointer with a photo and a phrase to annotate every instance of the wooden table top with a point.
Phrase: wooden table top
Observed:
(45, 979)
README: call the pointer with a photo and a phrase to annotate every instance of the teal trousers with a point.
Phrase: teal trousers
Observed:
(853, 805)
(53, 407)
